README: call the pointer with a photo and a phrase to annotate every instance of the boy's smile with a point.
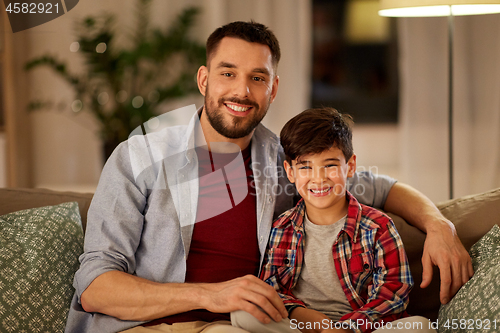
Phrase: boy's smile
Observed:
(321, 192)
(321, 180)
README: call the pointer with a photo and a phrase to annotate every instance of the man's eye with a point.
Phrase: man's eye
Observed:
(256, 78)
(227, 74)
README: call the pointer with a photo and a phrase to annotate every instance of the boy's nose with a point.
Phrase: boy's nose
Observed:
(319, 175)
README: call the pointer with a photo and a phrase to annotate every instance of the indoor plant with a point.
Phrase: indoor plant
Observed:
(122, 86)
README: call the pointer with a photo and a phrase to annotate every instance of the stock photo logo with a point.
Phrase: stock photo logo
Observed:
(28, 14)
(161, 153)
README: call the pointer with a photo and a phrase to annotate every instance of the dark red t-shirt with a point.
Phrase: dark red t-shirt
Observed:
(224, 245)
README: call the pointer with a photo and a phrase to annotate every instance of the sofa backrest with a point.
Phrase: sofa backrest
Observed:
(14, 199)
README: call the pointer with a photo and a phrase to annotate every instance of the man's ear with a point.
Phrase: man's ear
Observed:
(202, 79)
(289, 172)
(351, 166)
(274, 89)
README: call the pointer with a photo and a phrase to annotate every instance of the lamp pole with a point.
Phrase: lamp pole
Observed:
(450, 99)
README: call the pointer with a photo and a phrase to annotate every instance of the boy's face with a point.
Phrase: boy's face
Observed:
(321, 179)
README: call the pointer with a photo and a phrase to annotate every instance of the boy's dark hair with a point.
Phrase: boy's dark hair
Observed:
(316, 130)
(249, 31)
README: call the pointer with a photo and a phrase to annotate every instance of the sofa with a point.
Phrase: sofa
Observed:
(473, 216)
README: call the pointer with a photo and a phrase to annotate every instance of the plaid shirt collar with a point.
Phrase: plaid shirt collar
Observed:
(296, 217)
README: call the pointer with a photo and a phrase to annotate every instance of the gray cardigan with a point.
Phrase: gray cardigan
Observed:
(143, 212)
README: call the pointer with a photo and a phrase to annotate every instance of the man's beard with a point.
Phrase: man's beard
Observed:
(239, 126)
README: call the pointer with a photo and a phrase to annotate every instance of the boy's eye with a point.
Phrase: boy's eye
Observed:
(305, 167)
(331, 165)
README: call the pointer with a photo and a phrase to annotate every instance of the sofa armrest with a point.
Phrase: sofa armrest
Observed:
(473, 216)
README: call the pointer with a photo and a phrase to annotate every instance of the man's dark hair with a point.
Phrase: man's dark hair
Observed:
(249, 31)
(316, 130)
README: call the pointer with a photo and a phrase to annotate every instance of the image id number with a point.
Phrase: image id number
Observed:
(470, 324)
(32, 8)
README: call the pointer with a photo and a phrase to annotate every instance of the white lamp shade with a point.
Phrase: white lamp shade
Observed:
(421, 8)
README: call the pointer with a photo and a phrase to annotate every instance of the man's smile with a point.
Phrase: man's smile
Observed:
(237, 107)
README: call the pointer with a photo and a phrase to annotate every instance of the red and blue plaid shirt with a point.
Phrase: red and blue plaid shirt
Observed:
(369, 259)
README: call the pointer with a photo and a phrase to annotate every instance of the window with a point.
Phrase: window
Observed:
(355, 60)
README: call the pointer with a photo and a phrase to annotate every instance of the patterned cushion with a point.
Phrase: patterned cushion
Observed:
(39, 251)
(476, 306)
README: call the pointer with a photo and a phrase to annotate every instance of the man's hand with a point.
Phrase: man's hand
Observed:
(128, 297)
(247, 293)
(443, 248)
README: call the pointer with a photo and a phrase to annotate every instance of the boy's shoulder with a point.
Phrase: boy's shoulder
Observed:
(373, 218)
(365, 217)
(293, 217)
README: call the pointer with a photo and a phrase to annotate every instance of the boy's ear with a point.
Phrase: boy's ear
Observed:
(351, 166)
(289, 172)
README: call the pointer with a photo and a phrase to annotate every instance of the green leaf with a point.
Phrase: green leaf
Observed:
(162, 60)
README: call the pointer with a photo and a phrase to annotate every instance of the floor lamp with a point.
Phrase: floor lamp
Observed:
(450, 8)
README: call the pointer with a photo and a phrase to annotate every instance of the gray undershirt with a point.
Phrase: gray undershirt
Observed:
(318, 285)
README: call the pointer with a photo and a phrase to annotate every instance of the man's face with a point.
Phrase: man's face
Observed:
(239, 85)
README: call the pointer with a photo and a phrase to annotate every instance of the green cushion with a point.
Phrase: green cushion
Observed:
(39, 251)
(476, 306)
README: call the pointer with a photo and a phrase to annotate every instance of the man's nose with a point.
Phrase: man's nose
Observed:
(241, 88)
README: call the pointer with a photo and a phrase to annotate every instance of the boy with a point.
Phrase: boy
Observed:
(337, 265)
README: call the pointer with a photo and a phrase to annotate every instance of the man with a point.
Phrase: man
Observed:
(142, 241)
